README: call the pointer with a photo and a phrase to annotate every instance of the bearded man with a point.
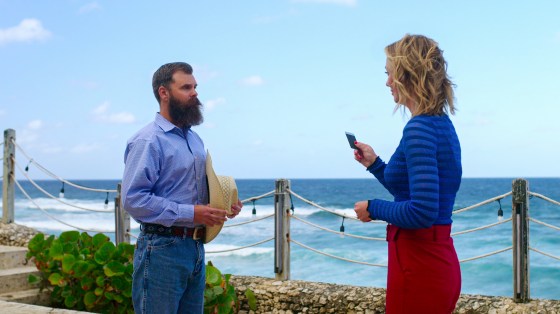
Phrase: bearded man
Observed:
(164, 188)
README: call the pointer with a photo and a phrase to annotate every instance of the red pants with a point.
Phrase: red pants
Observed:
(424, 274)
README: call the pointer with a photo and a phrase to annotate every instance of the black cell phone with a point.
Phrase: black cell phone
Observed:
(351, 139)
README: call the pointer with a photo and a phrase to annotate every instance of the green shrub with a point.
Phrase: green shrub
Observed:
(220, 296)
(91, 273)
(84, 272)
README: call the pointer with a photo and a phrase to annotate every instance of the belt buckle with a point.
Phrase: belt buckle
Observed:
(195, 233)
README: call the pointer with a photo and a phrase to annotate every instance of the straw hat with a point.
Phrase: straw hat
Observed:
(223, 193)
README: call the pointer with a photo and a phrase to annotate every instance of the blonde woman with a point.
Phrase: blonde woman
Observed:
(423, 175)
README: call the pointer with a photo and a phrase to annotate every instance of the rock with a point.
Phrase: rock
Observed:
(294, 296)
(16, 235)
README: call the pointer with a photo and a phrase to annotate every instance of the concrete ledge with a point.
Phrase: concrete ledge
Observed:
(295, 296)
(20, 308)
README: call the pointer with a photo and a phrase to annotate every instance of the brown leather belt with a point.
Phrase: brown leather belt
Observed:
(195, 233)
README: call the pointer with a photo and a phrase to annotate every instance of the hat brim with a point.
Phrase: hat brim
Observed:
(222, 192)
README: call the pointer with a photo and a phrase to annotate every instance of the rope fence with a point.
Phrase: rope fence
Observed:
(326, 209)
(54, 218)
(481, 228)
(52, 175)
(544, 198)
(490, 200)
(383, 239)
(336, 232)
(545, 254)
(544, 224)
(59, 199)
(284, 212)
(485, 255)
(334, 256)
(242, 247)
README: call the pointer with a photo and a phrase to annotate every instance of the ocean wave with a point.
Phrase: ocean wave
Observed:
(242, 252)
(73, 222)
(75, 205)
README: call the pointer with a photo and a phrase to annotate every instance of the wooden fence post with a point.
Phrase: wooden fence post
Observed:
(520, 224)
(122, 220)
(8, 179)
(282, 230)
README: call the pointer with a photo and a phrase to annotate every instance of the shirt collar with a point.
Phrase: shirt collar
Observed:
(167, 126)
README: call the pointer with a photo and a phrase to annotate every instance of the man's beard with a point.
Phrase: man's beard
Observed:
(185, 113)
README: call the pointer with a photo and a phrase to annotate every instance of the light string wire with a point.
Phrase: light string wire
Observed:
(497, 198)
(241, 247)
(58, 199)
(544, 198)
(49, 173)
(490, 200)
(252, 199)
(54, 218)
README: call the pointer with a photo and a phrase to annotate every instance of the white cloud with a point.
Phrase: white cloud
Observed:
(26, 137)
(212, 103)
(92, 6)
(101, 114)
(49, 149)
(254, 80)
(101, 109)
(349, 3)
(85, 148)
(35, 125)
(28, 30)
(258, 142)
(204, 74)
(30, 134)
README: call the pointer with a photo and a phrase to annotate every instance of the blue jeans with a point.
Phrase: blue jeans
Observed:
(169, 275)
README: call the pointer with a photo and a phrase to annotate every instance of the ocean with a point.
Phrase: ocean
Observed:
(491, 275)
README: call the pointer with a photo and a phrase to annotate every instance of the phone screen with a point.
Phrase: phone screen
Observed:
(351, 139)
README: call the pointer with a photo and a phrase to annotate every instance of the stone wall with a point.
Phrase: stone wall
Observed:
(292, 296)
(16, 235)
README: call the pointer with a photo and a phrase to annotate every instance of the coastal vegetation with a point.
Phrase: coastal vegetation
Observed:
(90, 273)
(83, 272)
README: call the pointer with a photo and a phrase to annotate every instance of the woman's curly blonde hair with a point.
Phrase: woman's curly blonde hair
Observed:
(420, 75)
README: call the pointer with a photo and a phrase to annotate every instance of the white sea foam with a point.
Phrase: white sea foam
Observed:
(242, 252)
(72, 205)
(92, 221)
(263, 210)
(308, 265)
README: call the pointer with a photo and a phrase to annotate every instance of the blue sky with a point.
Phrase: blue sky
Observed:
(281, 80)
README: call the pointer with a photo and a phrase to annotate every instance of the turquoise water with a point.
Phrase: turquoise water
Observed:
(489, 276)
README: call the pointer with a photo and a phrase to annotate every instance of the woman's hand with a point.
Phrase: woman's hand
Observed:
(361, 211)
(364, 154)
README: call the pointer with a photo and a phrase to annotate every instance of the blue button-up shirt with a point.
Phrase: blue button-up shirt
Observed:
(164, 174)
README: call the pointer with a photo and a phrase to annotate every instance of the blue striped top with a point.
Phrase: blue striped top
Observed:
(423, 175)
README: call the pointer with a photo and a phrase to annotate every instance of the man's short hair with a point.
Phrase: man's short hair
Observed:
(164, 75)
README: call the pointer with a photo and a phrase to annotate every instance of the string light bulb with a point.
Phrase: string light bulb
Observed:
(107, 201)
(342, 228)
(500, 212)
(61, 194)
(254, 212)
(29, 163)
(292, 204)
